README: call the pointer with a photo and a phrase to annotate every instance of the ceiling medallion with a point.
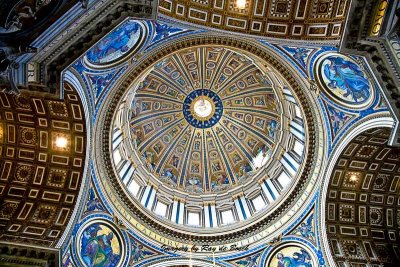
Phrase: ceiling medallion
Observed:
(202, 108)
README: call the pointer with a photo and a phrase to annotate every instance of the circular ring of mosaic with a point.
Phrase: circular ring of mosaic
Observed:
(202, 108)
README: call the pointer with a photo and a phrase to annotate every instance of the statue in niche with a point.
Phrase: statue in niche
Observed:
(24, 14)
(8, 57)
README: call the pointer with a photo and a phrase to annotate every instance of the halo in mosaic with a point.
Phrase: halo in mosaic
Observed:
(344, 80)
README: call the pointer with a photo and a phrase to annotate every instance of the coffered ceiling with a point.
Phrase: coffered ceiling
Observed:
(363, 204)
(39, 182)
(296, 19)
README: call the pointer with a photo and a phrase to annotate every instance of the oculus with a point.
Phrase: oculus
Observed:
(202, 108)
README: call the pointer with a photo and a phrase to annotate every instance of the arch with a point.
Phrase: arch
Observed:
(364, 126)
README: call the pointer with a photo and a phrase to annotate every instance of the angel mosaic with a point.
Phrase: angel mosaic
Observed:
(194, 184)
(169, 176)
(137, 136)
(272, 127)
(300, 54)
(338, 119)
(93, 202)
(305, 229)
(138, 252)
(221, 182)
(250, 261)
(148, 158)
(244, 169)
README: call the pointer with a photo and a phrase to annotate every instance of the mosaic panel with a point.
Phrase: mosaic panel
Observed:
(344, 80)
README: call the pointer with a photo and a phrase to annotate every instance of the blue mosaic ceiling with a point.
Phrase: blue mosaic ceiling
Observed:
(234, 140)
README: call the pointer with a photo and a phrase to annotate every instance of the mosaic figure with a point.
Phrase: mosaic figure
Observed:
(93, 202)
(100, 82)
(305, 229)
(250, 261)
(291, 256)
(193, 184)
(164, 31)
(100, 247)
(175, 161)
(297, 259)
(345, 79)
(168, 174)
(272, 127)
(244, 169)
(338, 119)
(137, 136)
(263, 150)
(115, 44)
(221, 182)
(148, 158)
(138, 252)
(300, 54)
(67, 260)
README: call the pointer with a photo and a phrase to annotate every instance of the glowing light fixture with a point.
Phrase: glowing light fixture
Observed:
(202, 108)
(241, 4)
(353, 178)
(61, 142)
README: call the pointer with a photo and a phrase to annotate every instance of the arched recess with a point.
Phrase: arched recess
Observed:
(40, 180)
(360, 203)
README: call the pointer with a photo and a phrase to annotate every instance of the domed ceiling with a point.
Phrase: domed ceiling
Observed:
(209, 136)
(205, 119)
